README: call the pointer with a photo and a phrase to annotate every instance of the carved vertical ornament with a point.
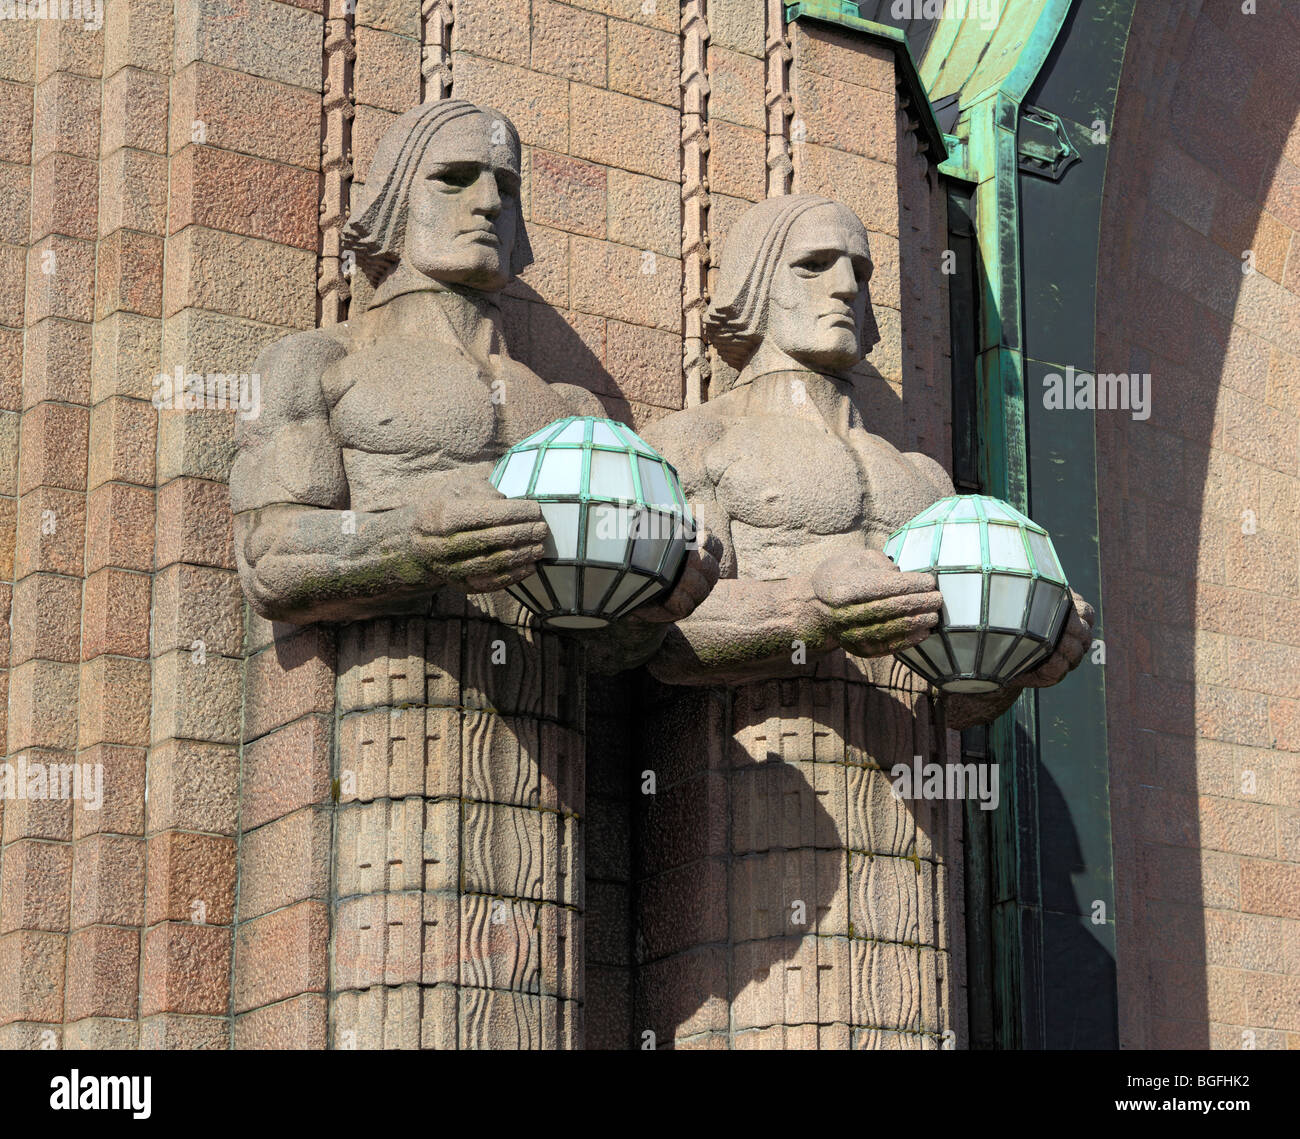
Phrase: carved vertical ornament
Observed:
(337, 111)
(695, 197)
(780, 107)
(435, 66)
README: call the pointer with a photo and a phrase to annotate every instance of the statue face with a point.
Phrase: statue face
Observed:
(462, 212)
(819, 305)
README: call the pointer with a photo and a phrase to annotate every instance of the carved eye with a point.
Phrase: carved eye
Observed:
(815, 263)
(457, 176)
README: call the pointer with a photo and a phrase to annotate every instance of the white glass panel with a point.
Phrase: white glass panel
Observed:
(574, 433)
(1006, 548)
(933, 650)
(995, 648)
(564, 584)
(917, 662)
(611, 475)
(538, 436)
(648, 553)
(519, 469)
(608, 532)
(1044, 556)
(651, 593)
(916, 549)
(964, 648)
(962, 593)
(1062, 615)
(1007, 597)
(676, 555)
(960, 545)
(561, 472)
(601, 432)
(594, 584)
(533, 587)
(1016, 661)
(630, 584)
(654, 484)
(1046, 599)
(562, 519)
(965, 508)
(892, 546)
(636, 440)
(678, 497)
(996, 509)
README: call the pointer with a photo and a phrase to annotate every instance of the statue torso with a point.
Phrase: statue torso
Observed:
(409, 401)
(798, 476)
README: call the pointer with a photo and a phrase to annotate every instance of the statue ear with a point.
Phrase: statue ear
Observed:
(870, 330)
(521, 256)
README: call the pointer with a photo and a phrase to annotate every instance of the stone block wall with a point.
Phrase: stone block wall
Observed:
(1199, 287)
(171, 188)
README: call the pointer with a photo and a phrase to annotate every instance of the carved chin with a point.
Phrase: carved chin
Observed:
(838, 356)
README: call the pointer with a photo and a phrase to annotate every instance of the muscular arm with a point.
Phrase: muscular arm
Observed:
(304, 556)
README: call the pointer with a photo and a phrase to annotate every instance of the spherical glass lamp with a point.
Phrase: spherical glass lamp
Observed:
(619, 524)
(1005, 598)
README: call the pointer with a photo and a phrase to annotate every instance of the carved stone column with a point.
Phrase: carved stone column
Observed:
(457, 899)
(789, 900)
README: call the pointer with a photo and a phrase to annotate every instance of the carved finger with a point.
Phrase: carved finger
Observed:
(491, 583)
(502, 561)
(1071, 649)
(888, 609)
(888, 636)
(463, 515)
(1084, 611)
(502, 539)
(695, 584)
(1050, 672)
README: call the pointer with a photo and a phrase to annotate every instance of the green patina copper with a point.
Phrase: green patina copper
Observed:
(1025, 164)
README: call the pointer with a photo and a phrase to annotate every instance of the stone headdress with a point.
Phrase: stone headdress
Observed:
(377, 226)
(734, 323)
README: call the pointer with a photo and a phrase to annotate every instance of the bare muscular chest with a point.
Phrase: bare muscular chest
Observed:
(410, 408)
(795, 493)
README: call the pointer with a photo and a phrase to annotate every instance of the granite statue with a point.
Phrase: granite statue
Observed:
(784, 470)
(362, 487)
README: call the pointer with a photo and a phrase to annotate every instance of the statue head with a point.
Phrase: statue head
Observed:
(442, 197)
(793, 285)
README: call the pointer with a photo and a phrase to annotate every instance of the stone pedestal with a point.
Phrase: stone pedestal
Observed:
(789, 899)
(457, 893)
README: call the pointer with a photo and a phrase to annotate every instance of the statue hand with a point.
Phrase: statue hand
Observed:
(472, 537)
(697, 581)
(870, 607)
(1075, 639)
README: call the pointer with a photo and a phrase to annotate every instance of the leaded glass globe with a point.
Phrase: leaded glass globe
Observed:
(1005, 598)
(619, 524)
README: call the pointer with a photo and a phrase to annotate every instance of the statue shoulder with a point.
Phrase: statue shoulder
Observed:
(300, 352)
(932, 471)
(684, 436)
(290, 369)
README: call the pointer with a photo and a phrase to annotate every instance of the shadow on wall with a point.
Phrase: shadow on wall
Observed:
(1207, 106)
(775, 891)
(549, 343)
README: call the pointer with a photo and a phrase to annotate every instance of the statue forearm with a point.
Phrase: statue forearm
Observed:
(745, 630)
(305, 563)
